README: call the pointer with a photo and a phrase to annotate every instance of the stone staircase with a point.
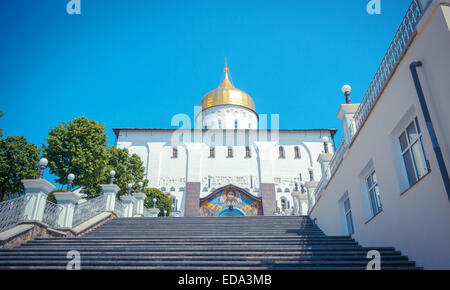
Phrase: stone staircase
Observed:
(208, 243)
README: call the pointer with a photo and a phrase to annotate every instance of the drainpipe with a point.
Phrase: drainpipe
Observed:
(426, 114)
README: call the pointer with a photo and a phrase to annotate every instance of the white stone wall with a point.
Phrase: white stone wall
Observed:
(171, 174)
(227, 114)
(414, 219)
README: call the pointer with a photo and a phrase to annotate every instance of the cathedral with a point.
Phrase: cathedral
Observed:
(230, 164)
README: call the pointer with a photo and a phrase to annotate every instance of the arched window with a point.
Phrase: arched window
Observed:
(219, 123)
(281, 151)
(247, 152)
(174, 152)
(297, 152)
(230, 152)
(212, 152)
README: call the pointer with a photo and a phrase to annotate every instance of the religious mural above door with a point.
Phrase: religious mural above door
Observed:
(230, 198)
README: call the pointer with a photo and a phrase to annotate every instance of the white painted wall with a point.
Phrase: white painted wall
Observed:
(415, 221)
(194, 164)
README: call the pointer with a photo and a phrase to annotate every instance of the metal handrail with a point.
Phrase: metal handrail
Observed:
(51, 214)
(396, 50)
(12, 212)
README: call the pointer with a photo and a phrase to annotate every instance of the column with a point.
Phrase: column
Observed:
(37, 191)
(110, 191)
(347, 113)
(140, 197)
(310, 188)
(324, 160)
(128, 202)
(193, 179)
(67, 200)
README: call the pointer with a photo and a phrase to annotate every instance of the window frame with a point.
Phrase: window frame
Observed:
(348, 216)
(373, 191)
(407, 150)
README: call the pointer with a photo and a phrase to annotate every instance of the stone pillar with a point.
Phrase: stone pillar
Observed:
(154, 212)
(347, 113)
(37, 191)
(110, 191)
(267, 187)
(67, 200)
(324, 160)
(193, 180)
(128, 202)
(140, 197)
(310, 188)
(295, 198)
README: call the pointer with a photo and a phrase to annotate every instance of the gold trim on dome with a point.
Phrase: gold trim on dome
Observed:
(227, 94)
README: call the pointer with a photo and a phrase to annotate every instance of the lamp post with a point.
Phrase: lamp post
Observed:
(140, 186)
(347, 89)
(129, 186)
(112, 173)
(302, 186)
(70, 179)
(154, 203)
(42, 165)
(325, 143)
(165, 212)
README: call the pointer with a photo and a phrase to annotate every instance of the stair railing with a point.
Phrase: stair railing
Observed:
(88, 210)
(12, 212)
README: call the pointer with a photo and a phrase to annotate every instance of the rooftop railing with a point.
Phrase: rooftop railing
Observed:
(395, 52)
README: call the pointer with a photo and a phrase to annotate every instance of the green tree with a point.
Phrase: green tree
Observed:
(78, 147)
(19, 160)
(163, 200)
(129, 169)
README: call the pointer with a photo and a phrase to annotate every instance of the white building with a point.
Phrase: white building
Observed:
(228, 166)
(388, 182)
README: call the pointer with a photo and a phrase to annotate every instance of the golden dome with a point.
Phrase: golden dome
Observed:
(227, 94)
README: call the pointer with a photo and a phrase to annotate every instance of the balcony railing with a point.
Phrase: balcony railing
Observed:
(395, 52)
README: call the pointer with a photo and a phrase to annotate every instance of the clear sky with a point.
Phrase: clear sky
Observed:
(138, 63)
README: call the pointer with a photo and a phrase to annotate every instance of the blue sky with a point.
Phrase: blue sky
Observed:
(137, 63)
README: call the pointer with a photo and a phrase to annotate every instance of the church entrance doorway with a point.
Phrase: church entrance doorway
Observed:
(230, 200)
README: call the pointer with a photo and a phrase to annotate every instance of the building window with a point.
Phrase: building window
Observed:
(219, 122)
(174, 152)
(348, 217)
(212, 152)
(230, 152)
(281, 152)
(414, 158)
(247, 152)
(297, 152)
(236, 124)
(374, 193)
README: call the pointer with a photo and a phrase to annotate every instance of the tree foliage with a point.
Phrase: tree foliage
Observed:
(78, 147)
(163, 200)
(129, 169)
(19, 160)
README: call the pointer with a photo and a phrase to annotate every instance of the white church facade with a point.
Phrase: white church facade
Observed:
(227, 165)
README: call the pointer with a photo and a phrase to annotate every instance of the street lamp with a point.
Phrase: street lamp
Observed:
(70, 179)
(165, 212)
(154, 202)
(42, 165)
(140, 186)
(347, 89)
(112, 173)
